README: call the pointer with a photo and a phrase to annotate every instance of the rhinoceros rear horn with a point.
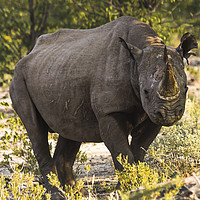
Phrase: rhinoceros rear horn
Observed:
(134, 51)
(188, 42)
(165, 56)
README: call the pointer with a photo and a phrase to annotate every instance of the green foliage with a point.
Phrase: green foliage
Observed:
(81, 157)
(145, 182)
(186, 15)
(70, 192)
(22, 186)
(171, 188)
(135, 176)
(157, 14)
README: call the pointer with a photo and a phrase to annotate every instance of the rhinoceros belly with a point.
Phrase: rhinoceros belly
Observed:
(72, 118)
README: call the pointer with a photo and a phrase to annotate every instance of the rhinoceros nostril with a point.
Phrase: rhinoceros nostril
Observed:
(160, 114)
(146, 92)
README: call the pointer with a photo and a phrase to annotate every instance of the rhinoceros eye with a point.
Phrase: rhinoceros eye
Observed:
(146, 92)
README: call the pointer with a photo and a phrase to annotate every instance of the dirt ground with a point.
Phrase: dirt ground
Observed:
(98, 156)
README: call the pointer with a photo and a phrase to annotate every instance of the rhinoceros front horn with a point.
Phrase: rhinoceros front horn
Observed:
(168, 88)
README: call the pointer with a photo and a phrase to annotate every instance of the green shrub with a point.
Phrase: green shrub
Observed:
(69, 192)
(144, 181)
(23, 187)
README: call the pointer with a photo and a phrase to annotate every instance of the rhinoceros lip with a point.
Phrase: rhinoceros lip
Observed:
(167, 121)
(164, 123)
(169, 124)
(169, 98)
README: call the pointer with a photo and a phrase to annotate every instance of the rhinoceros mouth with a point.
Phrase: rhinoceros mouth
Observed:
(166, 122)
(165, 117)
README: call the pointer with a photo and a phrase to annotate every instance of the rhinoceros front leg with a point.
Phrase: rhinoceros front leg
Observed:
(142, 137)
(114, 134)
(64, 156)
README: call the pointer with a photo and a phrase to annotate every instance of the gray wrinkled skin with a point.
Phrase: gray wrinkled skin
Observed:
(84, 85)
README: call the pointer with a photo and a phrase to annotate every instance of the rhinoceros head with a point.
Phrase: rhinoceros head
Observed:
(162, 80)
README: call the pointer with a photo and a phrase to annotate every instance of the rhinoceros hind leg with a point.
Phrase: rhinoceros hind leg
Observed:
(64, 156)
(35, 125)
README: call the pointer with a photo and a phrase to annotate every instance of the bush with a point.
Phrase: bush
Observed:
(145, 182)
(22, 186)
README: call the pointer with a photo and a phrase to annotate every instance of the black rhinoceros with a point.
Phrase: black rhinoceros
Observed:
(99, 85)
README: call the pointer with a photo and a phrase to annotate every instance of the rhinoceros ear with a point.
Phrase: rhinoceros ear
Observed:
(188, 42)
(135, 52)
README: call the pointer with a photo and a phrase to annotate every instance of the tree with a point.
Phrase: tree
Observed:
(23, 21)
(186, 14)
